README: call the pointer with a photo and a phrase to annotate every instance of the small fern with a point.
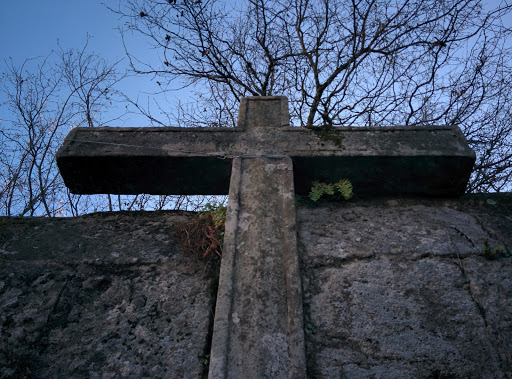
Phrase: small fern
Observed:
(319, 189)
(342, 188)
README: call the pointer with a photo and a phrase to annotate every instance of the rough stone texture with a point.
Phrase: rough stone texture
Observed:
(431, 161)
(101, 296)
(397, 288)
(258, 329)
(393, 288)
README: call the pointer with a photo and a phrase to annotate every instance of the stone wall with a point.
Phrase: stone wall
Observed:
(393, 288)
(101, 296)
(401, 289)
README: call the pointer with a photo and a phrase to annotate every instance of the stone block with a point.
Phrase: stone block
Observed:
(104, 295)
(401, 288)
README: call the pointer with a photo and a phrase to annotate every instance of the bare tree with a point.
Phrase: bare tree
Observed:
(46, 97)
(342, 63)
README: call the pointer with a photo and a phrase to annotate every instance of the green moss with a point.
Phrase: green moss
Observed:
(494, 252)
(329, 134)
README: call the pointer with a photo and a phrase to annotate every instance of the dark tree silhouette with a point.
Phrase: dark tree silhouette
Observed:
(46, 97)
(43, 99)
(342, 63)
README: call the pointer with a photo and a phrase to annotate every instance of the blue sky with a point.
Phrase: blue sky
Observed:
(31, 28)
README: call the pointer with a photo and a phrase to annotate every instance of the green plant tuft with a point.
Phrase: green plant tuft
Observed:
(217, 212)
(342, 188)
(495, 252)
(310, 329)
(205, 360)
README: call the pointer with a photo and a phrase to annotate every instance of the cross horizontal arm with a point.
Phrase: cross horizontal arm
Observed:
(417, 161)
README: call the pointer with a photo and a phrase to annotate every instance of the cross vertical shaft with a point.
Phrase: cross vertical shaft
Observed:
(258, 321)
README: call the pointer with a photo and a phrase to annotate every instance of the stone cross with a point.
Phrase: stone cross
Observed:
(258, 326)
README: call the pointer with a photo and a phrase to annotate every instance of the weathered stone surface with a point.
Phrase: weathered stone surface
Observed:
(434, 161)
(108, 295)
(393, 319)
(258, 329)
(491, 289)
(100, 296)
(377, 231)
(400, 288)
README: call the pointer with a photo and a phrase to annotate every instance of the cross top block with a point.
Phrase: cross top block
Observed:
(404, 161)
(263, 112)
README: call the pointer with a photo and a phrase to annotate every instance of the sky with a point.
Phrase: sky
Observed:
(31, 28)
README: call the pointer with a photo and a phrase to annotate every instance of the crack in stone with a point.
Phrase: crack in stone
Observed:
(326, 262)
(56, 303)
(490, 232)
(466, 237)
(467, 279)
(481, 309)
